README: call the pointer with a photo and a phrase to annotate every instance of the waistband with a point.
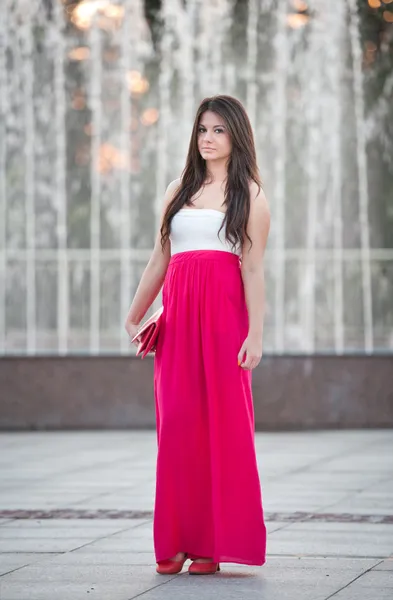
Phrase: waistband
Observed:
(221, 256)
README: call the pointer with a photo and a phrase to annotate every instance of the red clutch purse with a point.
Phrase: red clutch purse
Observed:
(148, 334)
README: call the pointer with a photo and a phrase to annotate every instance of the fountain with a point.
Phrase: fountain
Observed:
(97, 99)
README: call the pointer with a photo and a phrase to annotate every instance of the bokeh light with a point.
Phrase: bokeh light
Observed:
(81, 53)
(78, 100)
(136, 83)
(109, 14)
(111, 158)
(149, 116)
(300, 5)
(297, 20)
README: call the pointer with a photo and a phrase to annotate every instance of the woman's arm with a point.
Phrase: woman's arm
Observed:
(253, 276)
(154, 274)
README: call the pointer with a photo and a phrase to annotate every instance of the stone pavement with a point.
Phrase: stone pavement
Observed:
(76, 519)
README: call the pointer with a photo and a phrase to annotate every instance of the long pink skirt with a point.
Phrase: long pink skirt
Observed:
(208, 499)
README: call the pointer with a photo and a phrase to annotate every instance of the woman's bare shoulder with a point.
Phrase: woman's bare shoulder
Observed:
(173, 186)
(258, 200)
(170, 192)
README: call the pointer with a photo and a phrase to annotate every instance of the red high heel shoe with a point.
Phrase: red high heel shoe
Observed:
(203, 568)
(169, 566)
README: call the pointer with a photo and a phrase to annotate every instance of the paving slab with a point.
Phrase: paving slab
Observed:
(16, 560)
(29, 533)
(385, 565)
(312, 541)
(51, 544)
(86, 556)
(35, 582)
(372, 585)
(231, 585)
(76, 513)
(72, 524)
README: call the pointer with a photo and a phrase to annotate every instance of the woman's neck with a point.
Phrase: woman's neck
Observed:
(216, 171)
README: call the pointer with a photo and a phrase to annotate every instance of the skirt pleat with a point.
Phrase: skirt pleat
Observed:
(208, 498)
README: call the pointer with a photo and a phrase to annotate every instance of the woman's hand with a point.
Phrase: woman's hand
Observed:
(252, 347)
(132, 330)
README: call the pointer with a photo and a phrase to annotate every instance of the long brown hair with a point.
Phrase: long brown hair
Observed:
(242, 169)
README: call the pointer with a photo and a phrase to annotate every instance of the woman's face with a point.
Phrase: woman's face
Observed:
(213, 137)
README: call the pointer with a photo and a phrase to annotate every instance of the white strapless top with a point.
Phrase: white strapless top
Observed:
(197, 229)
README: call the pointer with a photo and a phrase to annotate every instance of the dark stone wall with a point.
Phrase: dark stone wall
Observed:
(290, 392)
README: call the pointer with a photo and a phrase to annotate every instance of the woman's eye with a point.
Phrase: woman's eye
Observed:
(217, 130)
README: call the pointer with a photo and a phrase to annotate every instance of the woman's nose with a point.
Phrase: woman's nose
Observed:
(207, 136)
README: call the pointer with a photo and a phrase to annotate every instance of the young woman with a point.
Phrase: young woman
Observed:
(208, 256)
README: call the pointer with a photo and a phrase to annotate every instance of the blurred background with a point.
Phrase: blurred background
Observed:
(97, 101)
